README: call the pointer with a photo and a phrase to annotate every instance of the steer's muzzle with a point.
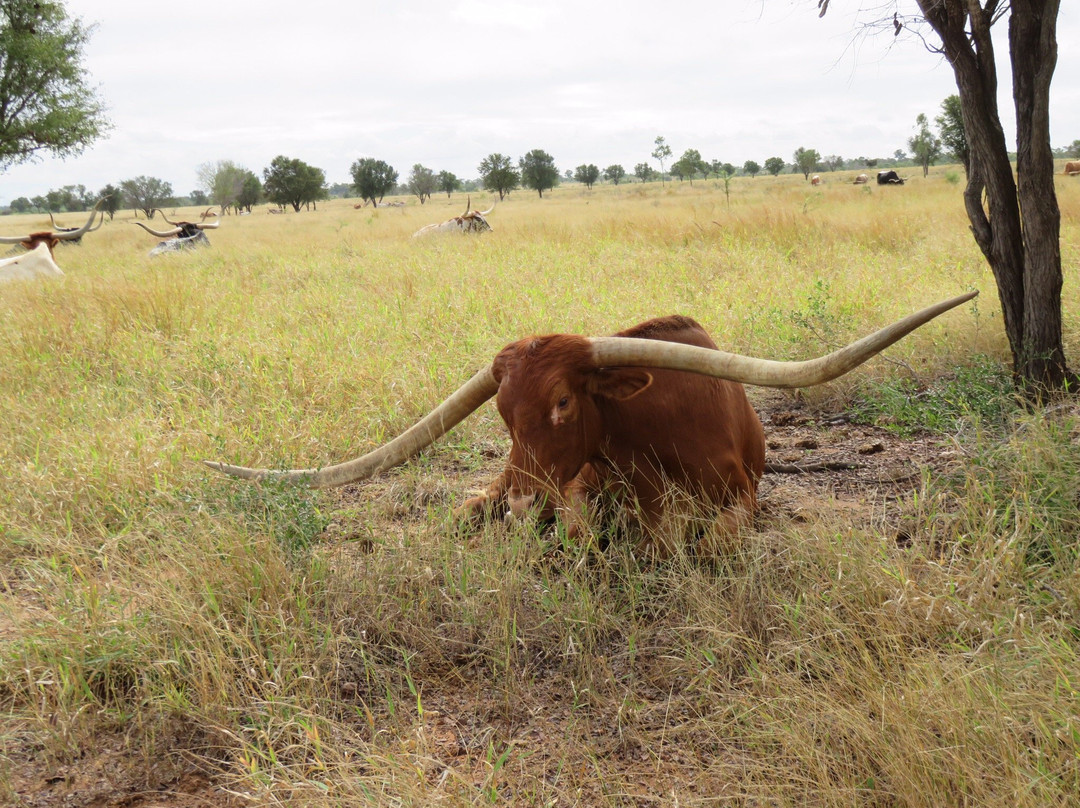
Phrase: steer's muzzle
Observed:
(519, 503)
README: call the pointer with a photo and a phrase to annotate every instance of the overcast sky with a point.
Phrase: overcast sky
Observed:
(447, 83)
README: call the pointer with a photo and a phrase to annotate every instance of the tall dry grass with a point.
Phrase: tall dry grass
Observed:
(331, 649)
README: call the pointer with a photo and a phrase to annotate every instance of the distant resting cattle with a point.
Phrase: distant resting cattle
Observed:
(39, 261)
(815, 180)
(1072, 169)
(184, 235)
(889, 177)
(395, 204)
(471, 221)
(59, 228)
(861, 179)
(653, 410)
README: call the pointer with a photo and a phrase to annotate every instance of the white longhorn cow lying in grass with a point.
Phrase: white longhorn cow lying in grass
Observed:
(38, 260)
(471, 221)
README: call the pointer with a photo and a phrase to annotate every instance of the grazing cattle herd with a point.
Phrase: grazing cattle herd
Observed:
(652, 410)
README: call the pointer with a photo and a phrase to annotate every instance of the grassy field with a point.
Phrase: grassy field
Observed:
(171, 637)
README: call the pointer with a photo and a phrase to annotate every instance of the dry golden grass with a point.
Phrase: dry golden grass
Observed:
(329, 649)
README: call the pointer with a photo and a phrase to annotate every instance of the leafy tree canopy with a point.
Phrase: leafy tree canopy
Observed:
(251, 191)
(951, 130)
(373, 179)
(644, 172)
(68, 198)
(688, 165)
(661, 153)
(538, 171)
(447, 182)
(289, 181)
(422, 182)
(497, 174)
(147, 193)
(751, 168)
(774, 165)
(614, 174)
(924, 146)
(587, 174)
(806, 160)
(113, 197)
(45, 104)
(223, 181)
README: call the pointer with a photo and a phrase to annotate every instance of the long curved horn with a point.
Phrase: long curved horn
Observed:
(63, 235)
(468, 204)
(159, 233)
(67, 235)
(624, 351)
(486, 212)
(209, 225)
(607, 352)
(433, 426)
(52, 221)
(163, 216)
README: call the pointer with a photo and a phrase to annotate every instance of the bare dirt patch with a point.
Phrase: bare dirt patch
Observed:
(866, 469)
(117, 770)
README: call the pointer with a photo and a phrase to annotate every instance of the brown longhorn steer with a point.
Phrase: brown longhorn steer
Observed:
(1072, 168)
(652, 407)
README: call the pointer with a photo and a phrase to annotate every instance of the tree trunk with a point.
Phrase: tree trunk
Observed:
(1015, 224)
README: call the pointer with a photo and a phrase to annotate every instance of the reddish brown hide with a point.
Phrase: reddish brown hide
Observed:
(576, 427)
(46, 237)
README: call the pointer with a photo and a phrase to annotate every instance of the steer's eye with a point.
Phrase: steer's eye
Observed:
(564, 402)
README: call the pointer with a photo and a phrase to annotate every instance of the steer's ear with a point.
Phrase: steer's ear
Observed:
(619, 384)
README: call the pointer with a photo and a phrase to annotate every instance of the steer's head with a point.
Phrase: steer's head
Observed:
(51, 238)
(552, 396)
(473, 221)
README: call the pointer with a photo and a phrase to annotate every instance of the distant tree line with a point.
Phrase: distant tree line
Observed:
(289, 182)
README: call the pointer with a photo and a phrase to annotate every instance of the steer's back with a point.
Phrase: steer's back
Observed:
(693, 430)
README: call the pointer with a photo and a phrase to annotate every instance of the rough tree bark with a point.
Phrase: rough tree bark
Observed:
(1016, 222)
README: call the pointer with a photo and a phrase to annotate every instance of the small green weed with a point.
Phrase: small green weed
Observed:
(284, 510)
(981, 391)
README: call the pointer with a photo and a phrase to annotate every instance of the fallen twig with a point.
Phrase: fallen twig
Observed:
(810, 466)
